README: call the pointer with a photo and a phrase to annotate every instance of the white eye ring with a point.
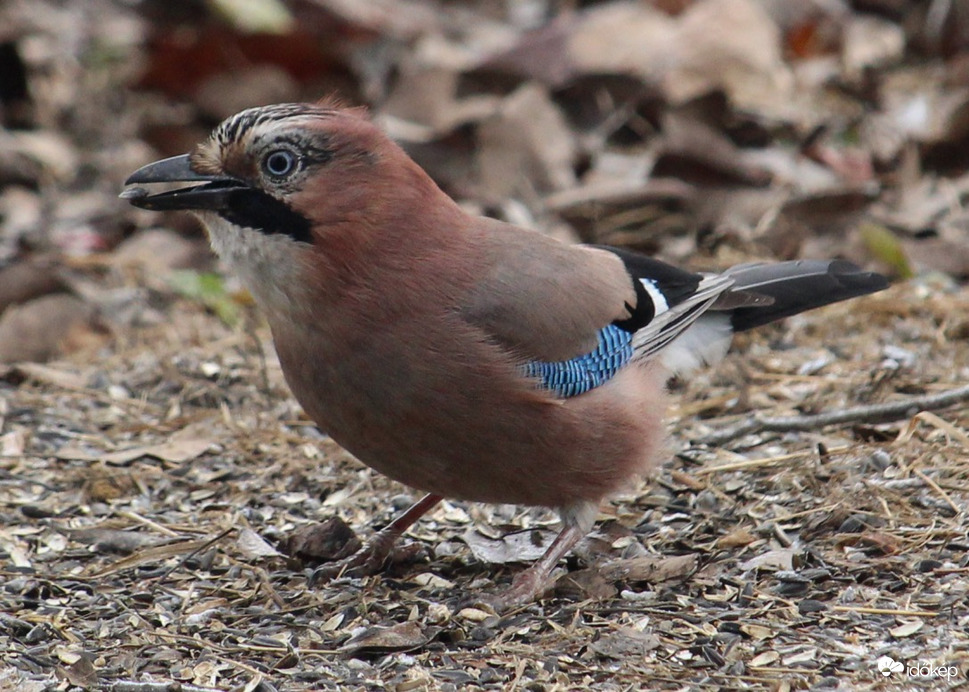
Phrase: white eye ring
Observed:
(279, 163)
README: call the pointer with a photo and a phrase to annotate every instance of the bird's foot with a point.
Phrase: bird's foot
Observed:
(380, 550)
(525, 588)
(371, 559)
(535, 580)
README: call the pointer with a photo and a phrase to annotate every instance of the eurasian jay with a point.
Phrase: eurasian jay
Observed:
(460, 355)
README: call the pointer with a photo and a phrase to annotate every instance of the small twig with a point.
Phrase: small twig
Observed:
(752, 463)
(134, 516)
(950, 570)
(935, 421)
(264, 579)
(876, 413)
(136, 686)
(189, 556)
(885, 611)
(942, 493)
(246, 667)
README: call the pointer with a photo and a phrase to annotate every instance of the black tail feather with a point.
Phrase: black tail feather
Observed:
(796, 287)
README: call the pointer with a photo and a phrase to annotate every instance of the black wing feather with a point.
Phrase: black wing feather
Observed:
(675, 284)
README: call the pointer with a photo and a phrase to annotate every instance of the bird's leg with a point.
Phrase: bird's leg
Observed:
(373, 555)
(577, 521)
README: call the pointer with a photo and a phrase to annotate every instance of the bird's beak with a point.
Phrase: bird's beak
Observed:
(213, 194)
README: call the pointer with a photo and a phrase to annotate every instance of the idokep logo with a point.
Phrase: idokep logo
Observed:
(888, 666)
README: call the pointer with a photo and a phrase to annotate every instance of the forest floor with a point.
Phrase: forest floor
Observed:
(163, 497)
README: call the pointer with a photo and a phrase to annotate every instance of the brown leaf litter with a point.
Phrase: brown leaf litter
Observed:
(163, 499)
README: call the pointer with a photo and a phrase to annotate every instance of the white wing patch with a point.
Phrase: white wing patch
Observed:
(667, 326)
(659, 300)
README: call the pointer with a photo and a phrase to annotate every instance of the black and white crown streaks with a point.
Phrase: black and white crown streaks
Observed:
(233, 129)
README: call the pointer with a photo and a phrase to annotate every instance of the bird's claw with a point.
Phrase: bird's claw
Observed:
(526, 587)
(361, 564)
(369, 560)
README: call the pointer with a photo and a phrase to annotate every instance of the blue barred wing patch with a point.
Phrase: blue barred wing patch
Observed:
(569, 378)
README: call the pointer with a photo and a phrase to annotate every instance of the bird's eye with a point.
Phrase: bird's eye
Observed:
(279, 163)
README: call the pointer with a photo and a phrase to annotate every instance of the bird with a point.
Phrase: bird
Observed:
(463, 356)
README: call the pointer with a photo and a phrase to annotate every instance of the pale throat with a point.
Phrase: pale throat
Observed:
(268, 265)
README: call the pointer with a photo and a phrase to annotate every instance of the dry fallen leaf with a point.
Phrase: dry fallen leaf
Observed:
(764, 658)
(624, 38)
(907, 629)
(44, 327)
(625, 642)
(599, 582)
(175, 451)
(325, 541)
(158, 251)
(252, 545)
(16, 552)
(526, 143)
(521, 546)
(733, 46)
(52, 376)
(779, 559)
(737, 538)
(650, 568)
(25, 280)
(13, 443)
(81, 673)
(406, 636)
(869, 41)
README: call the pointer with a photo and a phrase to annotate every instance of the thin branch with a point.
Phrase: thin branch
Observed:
(876, 413)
